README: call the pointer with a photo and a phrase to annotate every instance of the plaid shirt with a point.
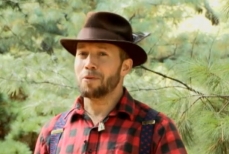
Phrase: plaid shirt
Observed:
(120, 136)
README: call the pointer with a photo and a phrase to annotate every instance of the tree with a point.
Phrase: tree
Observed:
(185, 75)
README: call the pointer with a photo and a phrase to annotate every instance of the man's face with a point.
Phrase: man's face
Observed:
(98, 68)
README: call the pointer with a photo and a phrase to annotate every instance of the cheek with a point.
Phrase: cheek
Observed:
(78, 68)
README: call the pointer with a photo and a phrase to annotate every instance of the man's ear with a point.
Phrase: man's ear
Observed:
(126, 66)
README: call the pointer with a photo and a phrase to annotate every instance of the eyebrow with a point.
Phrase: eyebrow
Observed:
(101, 46)
(80, 46)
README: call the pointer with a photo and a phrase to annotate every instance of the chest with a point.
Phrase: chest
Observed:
(118, 137)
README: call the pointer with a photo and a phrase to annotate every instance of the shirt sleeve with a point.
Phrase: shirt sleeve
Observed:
(42, 146)
(166, 139)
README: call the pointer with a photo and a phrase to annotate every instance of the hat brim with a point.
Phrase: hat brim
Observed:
(135, 52)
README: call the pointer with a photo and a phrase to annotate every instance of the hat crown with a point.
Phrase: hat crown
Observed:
(110, 22)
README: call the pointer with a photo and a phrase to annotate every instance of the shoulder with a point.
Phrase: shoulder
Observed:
(166, 131)
(161, 118)
(141, 106)
(48, 127)
(143, 112)
(165, 122)
(42, 143)
(167, 138)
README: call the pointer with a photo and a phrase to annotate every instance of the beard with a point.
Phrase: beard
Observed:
(104, 88)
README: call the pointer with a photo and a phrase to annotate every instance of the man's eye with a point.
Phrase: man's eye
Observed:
(82, 53)
(102, 54)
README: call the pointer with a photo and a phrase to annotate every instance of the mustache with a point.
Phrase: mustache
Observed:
(92, 73)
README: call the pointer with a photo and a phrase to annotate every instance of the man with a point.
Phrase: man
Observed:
(105, 119)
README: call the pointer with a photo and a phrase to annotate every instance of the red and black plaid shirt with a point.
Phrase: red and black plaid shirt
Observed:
(121, 134)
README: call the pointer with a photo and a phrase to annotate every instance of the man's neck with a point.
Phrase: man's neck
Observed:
(98, 108)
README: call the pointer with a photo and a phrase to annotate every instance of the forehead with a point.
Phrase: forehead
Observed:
(100, 45)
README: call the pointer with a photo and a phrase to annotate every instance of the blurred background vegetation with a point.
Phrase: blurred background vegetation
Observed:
(186, 75)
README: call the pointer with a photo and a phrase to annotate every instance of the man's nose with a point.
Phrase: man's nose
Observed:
(91, 62)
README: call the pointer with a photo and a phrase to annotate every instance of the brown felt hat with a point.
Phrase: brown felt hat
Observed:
(108, 28)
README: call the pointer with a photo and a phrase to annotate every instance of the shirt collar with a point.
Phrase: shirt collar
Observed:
(125, 105)
(77, 108)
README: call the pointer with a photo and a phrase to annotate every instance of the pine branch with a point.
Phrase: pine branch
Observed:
(176, 80)
(193, 43)
(67, 79)
(226, 97)
(200, 95)
(199, 98)
(210, 14)
(38, 82)
(131, 17)
(149, 89)
(155, 44)
(212, 43)
(224, 107)
(52, 83)
(24, 44)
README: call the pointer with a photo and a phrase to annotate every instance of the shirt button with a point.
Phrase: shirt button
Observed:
(90, 151)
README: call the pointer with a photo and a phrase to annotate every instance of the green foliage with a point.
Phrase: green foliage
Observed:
(11, 146)
(186, 75)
